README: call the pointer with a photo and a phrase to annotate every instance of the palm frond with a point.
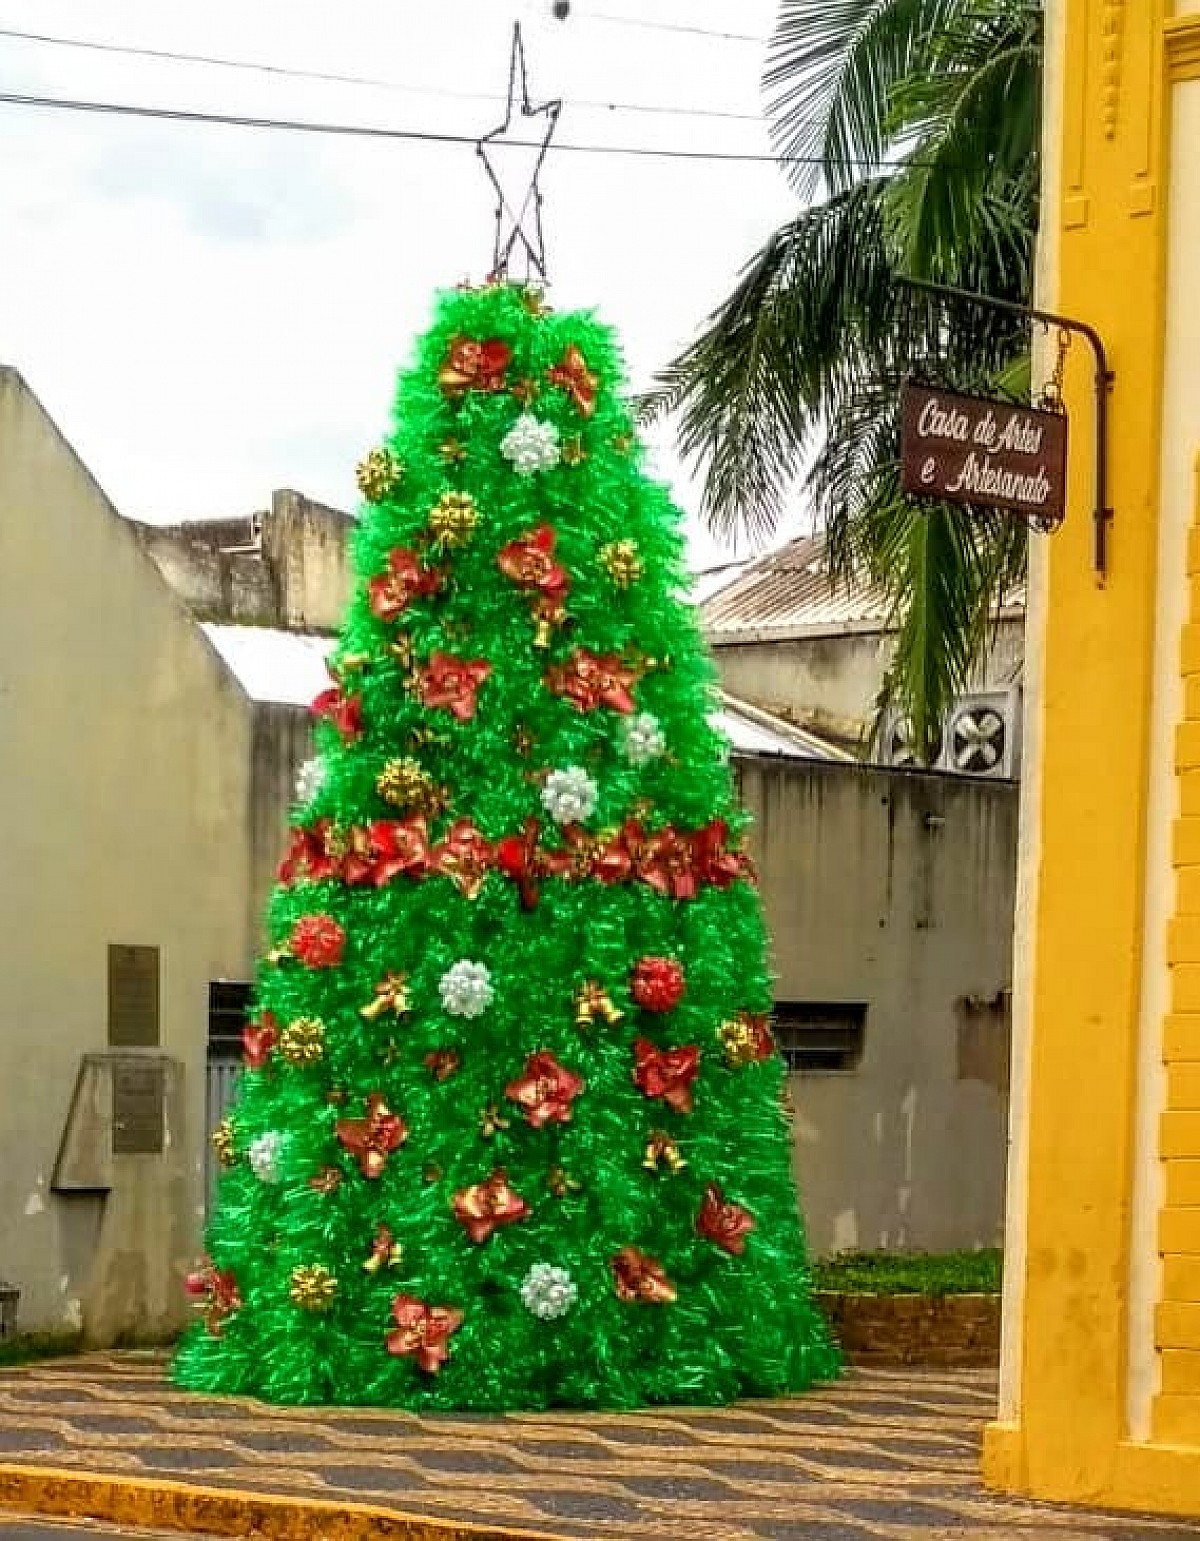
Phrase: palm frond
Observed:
(971, 180)
(832, 66)
(797, 333)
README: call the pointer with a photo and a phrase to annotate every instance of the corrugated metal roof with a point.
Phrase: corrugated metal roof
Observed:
(789, 593)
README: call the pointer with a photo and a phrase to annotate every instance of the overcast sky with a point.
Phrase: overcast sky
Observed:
(212, 312)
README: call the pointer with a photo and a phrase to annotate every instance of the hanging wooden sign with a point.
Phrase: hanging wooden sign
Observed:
(980, 451)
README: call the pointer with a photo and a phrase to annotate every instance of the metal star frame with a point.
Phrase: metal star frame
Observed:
(519, 226)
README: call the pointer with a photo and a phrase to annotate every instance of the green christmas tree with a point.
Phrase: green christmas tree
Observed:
(510, 1133)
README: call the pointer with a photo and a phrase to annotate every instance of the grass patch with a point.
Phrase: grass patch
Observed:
(911, 1273)
(28, 1347)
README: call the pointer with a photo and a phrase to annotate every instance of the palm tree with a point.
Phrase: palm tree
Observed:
(910, 128)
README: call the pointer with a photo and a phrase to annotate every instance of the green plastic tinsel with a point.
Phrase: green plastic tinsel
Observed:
(741, 1325)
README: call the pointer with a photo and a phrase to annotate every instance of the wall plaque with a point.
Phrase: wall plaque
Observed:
(139, 1093)
(976, 450)
(133, 997)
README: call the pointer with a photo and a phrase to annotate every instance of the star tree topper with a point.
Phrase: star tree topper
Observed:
(519, 224)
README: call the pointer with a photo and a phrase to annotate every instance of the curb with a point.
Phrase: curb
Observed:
(169, 1505)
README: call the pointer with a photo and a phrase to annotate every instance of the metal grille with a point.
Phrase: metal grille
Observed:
(228, 1012)
(817, 1037)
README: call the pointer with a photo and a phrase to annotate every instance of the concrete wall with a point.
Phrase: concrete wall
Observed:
(895, 889)
(289, 567)
(124, 804)
(830, 683)
(283, 740)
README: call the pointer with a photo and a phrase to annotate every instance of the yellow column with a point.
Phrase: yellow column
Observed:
(1102, 1386)
(1177, 1319)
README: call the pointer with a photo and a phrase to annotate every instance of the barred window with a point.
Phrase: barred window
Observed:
(821, 1036)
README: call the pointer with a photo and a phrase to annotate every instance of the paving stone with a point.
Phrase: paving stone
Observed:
(590, 1506)
(27, 1439)
(111, 1423)
(691, 1489)
(165, 1458)
(636, 1436)
(818, 1530)
(286, 1441)
(380, 1479)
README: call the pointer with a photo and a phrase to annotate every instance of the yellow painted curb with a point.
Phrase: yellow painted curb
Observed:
(168, 1505)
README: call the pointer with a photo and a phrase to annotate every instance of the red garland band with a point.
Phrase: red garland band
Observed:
(675, 863)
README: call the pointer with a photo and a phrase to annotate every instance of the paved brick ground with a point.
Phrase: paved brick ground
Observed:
(882, 1456)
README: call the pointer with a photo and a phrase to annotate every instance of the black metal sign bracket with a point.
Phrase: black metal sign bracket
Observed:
(1103, 378)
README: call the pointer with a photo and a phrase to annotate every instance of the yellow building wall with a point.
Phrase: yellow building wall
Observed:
(1100, 1398)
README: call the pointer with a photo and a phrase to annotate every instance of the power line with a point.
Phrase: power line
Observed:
(670, 26)
(91, 45)
(426, 136)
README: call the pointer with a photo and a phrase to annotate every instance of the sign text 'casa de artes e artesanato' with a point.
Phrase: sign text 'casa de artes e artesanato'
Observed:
(975, 450)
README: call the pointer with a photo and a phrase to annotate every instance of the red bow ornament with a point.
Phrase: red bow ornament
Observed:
(712, 859)
(216, 1293)
(400, 846)
(357, 857)
(666, 1073)
(612, 862)
(317, 941)
(576, 858)
(465, 857)
(472, 365)
(572, 373)
(422, 1332)
(258, 1039)
(374, 1138)
(308, 856)
(546, 1091)
(344, 712)
(726, 1225)
(485, 1206)
(518, 857)
(665, 863)
(641, 1278)
(529, 563)
(392, 592)
(451, 683)
(589, 680)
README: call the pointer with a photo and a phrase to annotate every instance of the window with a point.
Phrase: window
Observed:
(820, 1036)
(228, 1012)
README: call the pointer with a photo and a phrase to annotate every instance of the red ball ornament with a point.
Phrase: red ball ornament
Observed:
(657, 984)
(318, 941)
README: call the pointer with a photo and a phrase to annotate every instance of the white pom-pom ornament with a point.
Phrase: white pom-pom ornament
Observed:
(466, 988)
(531, 445)
(309, 780)
(263, 1154)
(569, 796)
(548, 1291)
(643, 739)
